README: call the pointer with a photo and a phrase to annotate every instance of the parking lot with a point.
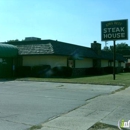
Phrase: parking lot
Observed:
(24, 104)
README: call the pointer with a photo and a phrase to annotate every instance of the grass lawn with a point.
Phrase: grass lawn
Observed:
(121, 79)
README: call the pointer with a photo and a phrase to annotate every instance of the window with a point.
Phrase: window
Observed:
(71, 63)
(1, 60)
(109, 63)
(119, 64)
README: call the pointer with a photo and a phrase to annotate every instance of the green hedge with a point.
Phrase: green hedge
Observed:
(23, 71)
(94, 71)
(35, 71)
(108, 70)
(40, 71)
(61, 71)
(126, 69)
(103, 70)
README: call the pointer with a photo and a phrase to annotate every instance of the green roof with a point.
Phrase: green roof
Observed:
(8, 50)
(51, 47)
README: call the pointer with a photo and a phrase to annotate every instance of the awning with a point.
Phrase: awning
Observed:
(7, 50)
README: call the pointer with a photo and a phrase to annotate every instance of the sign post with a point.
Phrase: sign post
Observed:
(114, 60)
(112, 31)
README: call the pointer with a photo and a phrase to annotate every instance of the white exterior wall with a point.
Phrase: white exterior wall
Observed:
(116, 64)
(104, 63)
(54, 61)
(85, 63)
(45, 60)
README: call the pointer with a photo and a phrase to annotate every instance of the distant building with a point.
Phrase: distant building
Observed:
(55, 55)
(32, 39)
(83, 60)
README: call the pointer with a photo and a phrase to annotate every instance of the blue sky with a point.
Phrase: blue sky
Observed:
(72, 21)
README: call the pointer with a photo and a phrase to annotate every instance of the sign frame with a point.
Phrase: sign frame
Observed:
(115, 30)
(117, 24)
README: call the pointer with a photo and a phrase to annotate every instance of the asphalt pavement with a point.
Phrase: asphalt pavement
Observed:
(110, 111)
(58, 106)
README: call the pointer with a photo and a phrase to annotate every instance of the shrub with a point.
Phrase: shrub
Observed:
(23, 71)
(108, 70)
(126, 69)
(94, 71)
(40, 71)
(62, 71)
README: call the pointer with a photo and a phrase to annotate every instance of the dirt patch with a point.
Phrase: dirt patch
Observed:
(101, 126)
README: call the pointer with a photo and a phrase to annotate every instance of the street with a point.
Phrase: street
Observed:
(24, 104)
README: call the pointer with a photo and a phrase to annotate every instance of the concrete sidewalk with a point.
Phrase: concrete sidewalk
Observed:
(108, 109)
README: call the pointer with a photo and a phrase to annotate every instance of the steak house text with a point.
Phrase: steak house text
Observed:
(115, 32)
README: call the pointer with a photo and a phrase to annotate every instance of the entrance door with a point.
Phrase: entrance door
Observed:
(6, 68)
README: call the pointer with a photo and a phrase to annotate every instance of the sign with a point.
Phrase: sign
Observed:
(114, 30)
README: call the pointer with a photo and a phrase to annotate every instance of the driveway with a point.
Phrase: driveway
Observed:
(24, 104)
